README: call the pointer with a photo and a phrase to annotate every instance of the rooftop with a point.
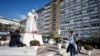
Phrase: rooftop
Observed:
(11, 19)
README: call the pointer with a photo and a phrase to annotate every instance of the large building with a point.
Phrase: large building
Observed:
(81, 16)
(49, 18)
(61, 16)
(8, 24)
(55, 16)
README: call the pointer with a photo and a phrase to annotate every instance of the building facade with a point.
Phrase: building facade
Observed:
(81, 16)
(40, 20)
(8, 24)
(49, 18)
(55, 16)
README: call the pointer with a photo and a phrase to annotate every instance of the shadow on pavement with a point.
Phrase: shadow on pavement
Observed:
(83, 53)
(53, 47)
(51, 50)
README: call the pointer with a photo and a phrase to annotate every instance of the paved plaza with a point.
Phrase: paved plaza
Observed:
(52, 50)
(45, 50)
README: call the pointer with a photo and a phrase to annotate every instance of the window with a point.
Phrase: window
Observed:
(92, 9)
(78, 1)
(86, 33)
(72, 9)
(62, 22)
(94, 17)
(62, 27)
(67, 1)
(67, 11)
(71, 3)
(66, 4)
(71, 0)
(95, 24)
(77, 13)
(62, 7)
(62, 12)
(66, 22)
(99, 8)
(78, 26)
(93, 2)
(62, 33)
(67, 7)
(84, 11)
(66, 16)
(78, 7)
(86, 18)
(86, 25)
(99, 1)
(84, 1)
(72, 26)
(72, 14)
(84, 5)
(77, 20)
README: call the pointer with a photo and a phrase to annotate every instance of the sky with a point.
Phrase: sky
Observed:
(18, 9)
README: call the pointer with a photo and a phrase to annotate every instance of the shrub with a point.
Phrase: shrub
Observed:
(95, 38)
(34, 43)
(51, 35)
(88, 47)
(3, 38)
(58, 40)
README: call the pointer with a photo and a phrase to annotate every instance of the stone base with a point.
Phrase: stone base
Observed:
(38, 37)
(27, 37)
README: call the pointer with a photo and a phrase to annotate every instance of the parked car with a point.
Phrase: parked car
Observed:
(3, 32)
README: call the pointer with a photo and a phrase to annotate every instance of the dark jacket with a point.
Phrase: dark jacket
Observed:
(15, 39)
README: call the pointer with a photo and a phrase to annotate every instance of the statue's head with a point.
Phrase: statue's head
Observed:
(31, 13)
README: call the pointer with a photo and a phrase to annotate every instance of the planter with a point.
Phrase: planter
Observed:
(51, 41)
(65, 44)
(34, 44)
(59, 45)
(35, 49)
(2, 42)
(89, 49)
(89, 52)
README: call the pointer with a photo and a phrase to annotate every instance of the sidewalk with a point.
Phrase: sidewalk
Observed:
(45, 50)
(51, 50)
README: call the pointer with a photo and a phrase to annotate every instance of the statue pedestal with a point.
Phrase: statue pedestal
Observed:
(27, 37)
(38, 37)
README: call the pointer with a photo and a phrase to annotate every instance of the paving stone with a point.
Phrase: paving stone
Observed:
(47, 50)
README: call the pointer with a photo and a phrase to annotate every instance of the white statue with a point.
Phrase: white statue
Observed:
(31, 31)
(31, 23)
